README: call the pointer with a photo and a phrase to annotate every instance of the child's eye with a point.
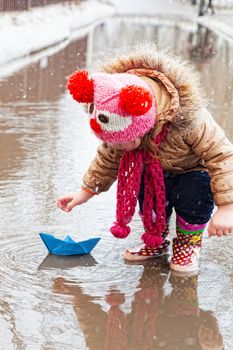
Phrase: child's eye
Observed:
(111, 122)
(103, 118)
(91, 108)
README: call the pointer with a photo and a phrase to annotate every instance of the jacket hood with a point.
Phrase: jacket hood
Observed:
(174, 73)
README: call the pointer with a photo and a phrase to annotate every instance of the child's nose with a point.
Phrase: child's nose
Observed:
(95, 126)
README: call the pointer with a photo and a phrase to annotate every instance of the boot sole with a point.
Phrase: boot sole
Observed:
(134, 257)
(180, 268)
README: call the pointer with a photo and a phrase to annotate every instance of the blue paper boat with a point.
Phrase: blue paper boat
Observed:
(68, 246)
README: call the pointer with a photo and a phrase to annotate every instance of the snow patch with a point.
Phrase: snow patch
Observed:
(22, 33)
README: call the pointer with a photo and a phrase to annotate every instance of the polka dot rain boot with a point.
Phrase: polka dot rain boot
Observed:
(187, 246)
(142, 252)
(186, 252)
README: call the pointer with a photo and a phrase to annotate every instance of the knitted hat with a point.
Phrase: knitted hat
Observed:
(122, 108)
(122, 105)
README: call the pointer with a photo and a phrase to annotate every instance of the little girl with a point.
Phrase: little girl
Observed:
(164, 147)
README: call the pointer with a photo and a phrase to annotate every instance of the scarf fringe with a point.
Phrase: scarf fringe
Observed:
(129, 179)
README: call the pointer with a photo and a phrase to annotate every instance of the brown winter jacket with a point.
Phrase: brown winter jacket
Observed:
(194, 140)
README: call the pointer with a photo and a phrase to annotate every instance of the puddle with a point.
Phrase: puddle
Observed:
(98, 302)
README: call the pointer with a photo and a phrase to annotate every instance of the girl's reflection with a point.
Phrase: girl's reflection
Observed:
(158, 319)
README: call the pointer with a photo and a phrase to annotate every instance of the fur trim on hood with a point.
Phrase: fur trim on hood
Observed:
(176, 74)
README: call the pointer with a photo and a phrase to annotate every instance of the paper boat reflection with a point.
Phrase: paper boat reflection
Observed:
(52, 262)
(68, 246)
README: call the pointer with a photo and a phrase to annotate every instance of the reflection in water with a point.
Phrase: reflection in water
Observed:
(156, 319)
(66, 262)
(26, 103)
(29, 131)
(44, 150)
(202, 46)
(44, 81)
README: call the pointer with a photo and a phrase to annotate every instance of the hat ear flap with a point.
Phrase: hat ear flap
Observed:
(81, 86)
(135, 100)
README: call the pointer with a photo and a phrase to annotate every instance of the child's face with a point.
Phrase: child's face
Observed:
(127, 146)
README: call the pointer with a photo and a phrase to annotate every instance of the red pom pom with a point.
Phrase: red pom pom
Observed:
(120, 231)
(135, 100)
(151, 240)
(81, 87)
(95, 126)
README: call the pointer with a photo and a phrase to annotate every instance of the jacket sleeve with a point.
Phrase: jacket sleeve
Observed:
(209, 142)
(103, 169)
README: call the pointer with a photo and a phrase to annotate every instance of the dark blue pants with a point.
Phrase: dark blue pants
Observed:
(189, 194)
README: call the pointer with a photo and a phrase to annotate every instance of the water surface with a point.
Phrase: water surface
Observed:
(98, 301)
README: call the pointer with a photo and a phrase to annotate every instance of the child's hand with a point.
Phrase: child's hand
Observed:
(221, 223)
(210, 339)
(68, 202)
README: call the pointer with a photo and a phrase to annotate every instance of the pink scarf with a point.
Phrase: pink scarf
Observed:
(129, 179)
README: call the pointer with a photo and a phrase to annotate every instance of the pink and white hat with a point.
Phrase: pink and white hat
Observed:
(122, 106)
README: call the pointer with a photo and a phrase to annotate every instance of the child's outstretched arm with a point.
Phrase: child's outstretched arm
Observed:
(68, 202)
(221, 223)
